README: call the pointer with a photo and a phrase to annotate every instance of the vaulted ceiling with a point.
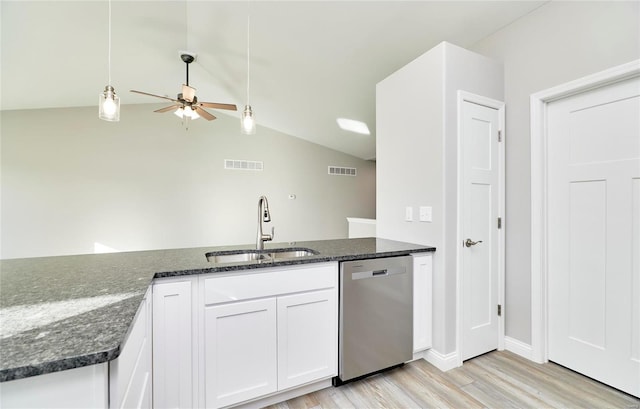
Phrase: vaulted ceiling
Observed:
(311, 61)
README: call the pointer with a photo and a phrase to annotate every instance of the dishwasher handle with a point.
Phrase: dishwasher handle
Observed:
(378, 273)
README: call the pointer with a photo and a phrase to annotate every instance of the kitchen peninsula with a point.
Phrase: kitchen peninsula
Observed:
(68, 312)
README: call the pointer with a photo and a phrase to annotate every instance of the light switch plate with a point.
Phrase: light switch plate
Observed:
(408, 214)
(426, 213)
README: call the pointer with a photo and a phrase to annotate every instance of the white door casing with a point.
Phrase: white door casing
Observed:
(481, 203)
(593, 152)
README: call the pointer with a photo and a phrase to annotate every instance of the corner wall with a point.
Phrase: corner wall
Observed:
(70, 181)
(558, 42)
(417, 160)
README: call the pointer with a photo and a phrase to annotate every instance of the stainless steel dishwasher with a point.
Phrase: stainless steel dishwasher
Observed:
(376, 316)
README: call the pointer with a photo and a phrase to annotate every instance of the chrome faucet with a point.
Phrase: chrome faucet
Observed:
(263, 216)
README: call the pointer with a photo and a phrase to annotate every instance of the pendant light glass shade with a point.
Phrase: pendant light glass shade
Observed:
(109, 105)
(109, 102)
(248, 121)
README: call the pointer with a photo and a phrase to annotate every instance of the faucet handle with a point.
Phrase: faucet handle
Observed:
(269, 237)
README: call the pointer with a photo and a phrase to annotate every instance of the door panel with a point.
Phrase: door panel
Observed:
(587, 221)
(483, 296)
(307, 337)
(479, 212)
(173, 345)
(593, 246)
(240, 351)
(635, 287)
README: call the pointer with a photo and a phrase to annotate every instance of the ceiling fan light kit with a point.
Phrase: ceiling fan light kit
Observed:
(186, 104)
(186, 112)
(108, 101)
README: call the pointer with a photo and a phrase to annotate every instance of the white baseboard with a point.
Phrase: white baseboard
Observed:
(443, 362)
(518, 347)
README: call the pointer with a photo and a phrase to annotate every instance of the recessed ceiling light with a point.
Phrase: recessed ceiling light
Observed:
(352, 125)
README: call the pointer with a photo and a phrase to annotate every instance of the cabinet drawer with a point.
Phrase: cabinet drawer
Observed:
(270, 282)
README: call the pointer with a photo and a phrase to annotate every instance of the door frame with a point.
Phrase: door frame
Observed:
(463, 97)
(539, 191)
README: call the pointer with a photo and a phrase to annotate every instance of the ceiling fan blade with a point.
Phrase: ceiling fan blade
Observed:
(215, 105)
(206, 115)
(167, 109)
(188, 93)
(153, 95)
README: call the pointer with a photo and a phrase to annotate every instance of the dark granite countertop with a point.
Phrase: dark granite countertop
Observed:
(65, 312)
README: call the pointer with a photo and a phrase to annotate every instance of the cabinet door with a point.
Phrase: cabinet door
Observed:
(173, 348)
(307, 337)
(240, 351)
(422, 302)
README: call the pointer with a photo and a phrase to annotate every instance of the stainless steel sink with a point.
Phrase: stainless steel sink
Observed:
(287, 253)
(228, 257)
(237, 256)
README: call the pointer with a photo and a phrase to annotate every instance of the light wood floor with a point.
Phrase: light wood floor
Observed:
(494, 380)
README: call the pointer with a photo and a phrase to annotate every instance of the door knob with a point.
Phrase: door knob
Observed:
(470, 242)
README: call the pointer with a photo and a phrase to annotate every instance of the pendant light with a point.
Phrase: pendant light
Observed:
(248, 121)
(109, 102)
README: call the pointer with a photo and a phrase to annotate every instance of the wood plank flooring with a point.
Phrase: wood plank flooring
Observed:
(495, 380)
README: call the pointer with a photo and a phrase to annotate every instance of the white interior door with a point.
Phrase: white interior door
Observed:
(480, 206)
(594, 233)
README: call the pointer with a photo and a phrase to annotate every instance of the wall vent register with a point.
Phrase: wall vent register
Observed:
(342, 171)
(235, 164)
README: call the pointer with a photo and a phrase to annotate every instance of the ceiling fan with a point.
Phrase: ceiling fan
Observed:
(186, 105)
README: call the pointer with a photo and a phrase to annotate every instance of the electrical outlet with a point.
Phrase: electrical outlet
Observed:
(408, 214)
(426, 213)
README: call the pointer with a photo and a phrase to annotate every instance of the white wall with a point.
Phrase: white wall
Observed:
(70, 180)
(557, 43)
(416, 146)
(409, 162)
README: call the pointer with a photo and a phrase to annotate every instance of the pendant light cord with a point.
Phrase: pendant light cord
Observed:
(109, 52)
(248, 51)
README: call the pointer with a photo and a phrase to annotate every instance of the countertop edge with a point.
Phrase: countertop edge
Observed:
(240, 266)
(12, 374)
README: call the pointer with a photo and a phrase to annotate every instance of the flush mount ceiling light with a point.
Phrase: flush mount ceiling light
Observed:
(186, 104)
(108, 101)
(352, 125)
(248, 121)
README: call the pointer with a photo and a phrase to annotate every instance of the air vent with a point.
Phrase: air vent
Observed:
(342, 171)
(234, 164)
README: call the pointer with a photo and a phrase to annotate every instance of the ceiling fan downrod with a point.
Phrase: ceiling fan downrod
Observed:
(188, 59)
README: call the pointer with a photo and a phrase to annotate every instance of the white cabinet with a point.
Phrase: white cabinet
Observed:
(307, 337)
(130, 375)
(422, 301)
(239, 347)
(174, 343)
(268, 331)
